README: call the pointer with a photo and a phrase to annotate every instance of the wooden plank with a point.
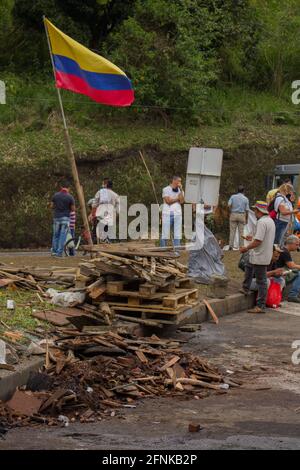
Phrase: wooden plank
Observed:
(95, 284)
(148, 308)
(152, 352)
(147, 290)
(53, 317)
(200, 383)
(141, 356)
(68, 311)
(113, 269)
(181, 296)
(97, 292)
(179, 371)
(136, 294)
(5, 282)
(170, 363)
(137, 250)
(156, 323)
(212, 313)
(114, 287)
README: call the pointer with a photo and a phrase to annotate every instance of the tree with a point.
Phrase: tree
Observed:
(279, 49)
(158, 46)
(88, 22)
(6, 20)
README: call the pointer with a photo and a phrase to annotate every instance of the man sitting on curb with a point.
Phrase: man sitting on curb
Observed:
(273, 272)
(261, 252)
(285, 261)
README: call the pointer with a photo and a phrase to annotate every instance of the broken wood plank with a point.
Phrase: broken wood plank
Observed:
(212, 313)
(170, 363)
(199, 383)
(125, 318)
(141, 356)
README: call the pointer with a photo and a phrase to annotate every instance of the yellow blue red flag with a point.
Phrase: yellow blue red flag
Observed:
(80, 70)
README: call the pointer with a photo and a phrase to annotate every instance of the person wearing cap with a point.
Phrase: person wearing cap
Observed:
(285, 260)
(239, 208)
(260, 256)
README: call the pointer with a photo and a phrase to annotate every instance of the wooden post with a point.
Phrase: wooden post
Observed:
(70, 152)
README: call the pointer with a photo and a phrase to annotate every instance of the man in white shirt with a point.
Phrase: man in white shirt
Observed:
(173, 197)
(105, 207)
(260, 256)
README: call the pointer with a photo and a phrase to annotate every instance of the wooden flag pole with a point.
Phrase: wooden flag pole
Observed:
(150, 177)
(70, 152)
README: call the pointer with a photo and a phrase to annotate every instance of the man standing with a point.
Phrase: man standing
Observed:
(62, 204)
(260, 256)
(173, 197)
(105, 205)
(239, 207)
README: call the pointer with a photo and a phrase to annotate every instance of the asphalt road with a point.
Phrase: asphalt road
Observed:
(262, 414)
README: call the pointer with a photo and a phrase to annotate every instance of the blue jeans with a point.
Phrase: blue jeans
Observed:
(281, 228)
(60, 230)
(295, 290)
(169, 221)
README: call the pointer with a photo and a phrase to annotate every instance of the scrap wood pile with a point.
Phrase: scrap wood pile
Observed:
(145, 285)
(91, 376)
(39, 279)
(148, 286)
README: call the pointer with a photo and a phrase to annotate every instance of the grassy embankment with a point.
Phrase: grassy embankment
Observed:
(255, 130)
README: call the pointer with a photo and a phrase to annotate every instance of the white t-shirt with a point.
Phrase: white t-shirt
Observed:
(280, 199)
(107, 203)
(174, 208)
(265, 232)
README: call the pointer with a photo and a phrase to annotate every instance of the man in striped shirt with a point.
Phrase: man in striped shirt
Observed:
(72, 231)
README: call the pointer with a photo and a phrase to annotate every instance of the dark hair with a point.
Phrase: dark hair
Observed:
(241, 189)
(109, 184)
(175, 177)
(65, 183)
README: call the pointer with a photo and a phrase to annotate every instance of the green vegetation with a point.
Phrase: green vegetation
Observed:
(20, 318)
(205, 72)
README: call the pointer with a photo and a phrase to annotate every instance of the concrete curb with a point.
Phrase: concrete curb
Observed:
(231, 304)
(9, 381)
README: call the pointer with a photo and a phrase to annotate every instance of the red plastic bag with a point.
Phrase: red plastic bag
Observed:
(274, 295)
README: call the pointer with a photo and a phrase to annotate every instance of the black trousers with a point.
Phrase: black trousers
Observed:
(260, 273)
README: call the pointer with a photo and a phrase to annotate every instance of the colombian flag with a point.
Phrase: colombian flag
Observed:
(80, 70)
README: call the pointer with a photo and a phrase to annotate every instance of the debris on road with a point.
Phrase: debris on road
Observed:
(91, 374)
(194, 427)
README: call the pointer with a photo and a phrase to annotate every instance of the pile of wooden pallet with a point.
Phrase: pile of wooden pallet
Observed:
(147, 286)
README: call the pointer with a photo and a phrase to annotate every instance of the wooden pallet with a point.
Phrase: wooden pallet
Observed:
(159, 300)
(147, 289)
(164, 317)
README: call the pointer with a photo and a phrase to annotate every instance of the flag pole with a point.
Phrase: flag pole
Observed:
(70, 152)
